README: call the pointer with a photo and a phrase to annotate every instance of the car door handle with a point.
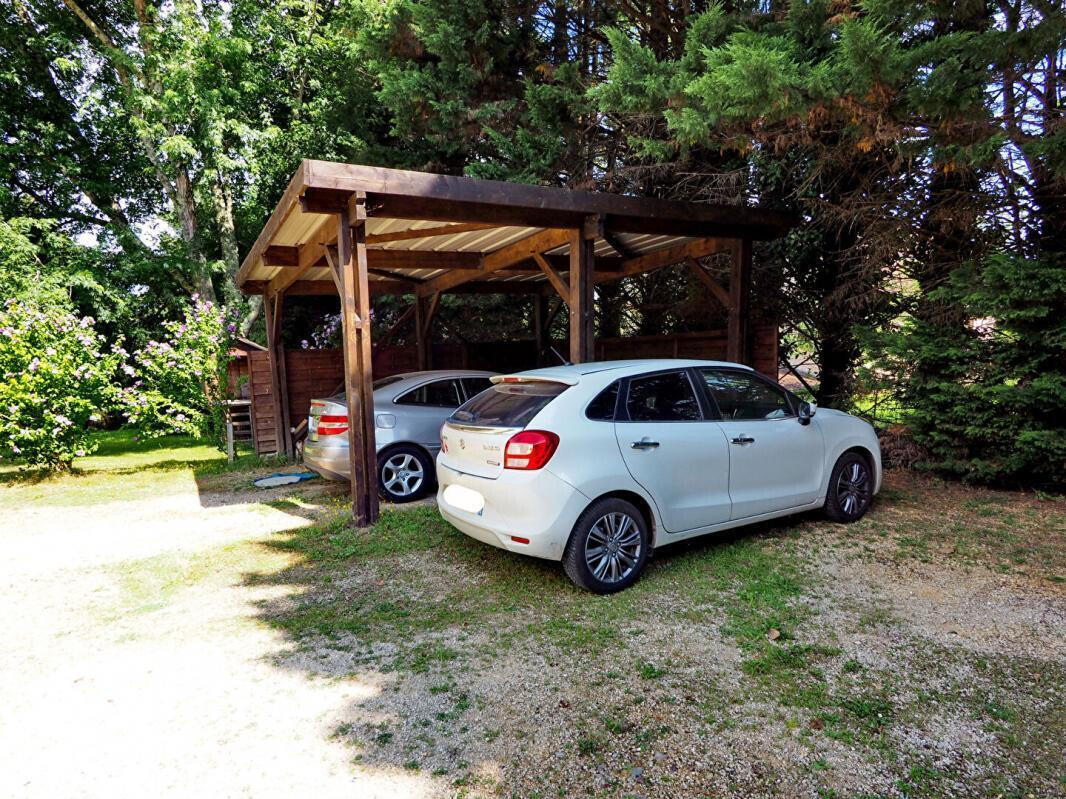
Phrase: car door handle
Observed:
(645, 443)
(742, 440)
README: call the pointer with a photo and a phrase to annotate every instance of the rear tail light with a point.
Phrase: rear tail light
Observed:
(530, 449)
(329, 425)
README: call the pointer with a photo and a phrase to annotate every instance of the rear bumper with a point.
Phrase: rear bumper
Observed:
(330, 462)
(537, 506)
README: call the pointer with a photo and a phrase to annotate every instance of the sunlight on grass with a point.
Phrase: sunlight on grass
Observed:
(124, 467)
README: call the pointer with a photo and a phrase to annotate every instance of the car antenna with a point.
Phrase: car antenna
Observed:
(560, 357)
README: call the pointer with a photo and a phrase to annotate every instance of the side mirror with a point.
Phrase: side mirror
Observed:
(806, 412)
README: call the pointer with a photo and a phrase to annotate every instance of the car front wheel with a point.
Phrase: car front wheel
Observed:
(608, 547)
(405, 474)
(851, 489)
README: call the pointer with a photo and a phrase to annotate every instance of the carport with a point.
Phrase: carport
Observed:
(357, 231)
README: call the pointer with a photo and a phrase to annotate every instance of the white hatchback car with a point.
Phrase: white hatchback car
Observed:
(596, 464)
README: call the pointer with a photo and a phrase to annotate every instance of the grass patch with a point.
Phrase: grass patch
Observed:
(124, 467)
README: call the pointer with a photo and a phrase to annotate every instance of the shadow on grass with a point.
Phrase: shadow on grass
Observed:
(415, 602)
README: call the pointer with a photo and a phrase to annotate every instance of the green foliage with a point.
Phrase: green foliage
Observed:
(987, 397)
(179, 383)
(55, 378)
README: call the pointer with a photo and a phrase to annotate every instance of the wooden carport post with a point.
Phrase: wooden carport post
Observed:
(279, 384)
(354, 289)
(582, 283)
(738, 342)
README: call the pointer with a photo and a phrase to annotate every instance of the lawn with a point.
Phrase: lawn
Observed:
(918, 653)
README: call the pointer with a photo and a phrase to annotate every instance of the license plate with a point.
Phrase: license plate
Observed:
(464, 498)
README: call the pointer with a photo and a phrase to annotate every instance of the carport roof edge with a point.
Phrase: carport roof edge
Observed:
(506, 211)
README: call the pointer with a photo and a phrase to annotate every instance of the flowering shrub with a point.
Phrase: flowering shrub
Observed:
(55, 378)
(178, 384)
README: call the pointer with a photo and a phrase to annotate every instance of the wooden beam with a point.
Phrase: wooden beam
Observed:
(521, 250)
(286, 206)
(618, 245)
(738, 346)
(581, 297)
(557, 282)
(697, 248)
(712, 285)
(403, 194)
(310, 253)
(316, 200)
(428, 232)
(395, 327)
(358, 360)
(276, 255)
(311, 288)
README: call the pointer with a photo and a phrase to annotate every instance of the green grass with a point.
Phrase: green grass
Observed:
(122, 468)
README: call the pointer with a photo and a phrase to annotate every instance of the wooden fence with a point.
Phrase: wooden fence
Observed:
(320, 373)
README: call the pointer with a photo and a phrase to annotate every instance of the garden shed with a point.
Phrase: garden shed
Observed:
(358, 231)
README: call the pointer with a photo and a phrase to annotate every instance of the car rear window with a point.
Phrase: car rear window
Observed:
(508, 404)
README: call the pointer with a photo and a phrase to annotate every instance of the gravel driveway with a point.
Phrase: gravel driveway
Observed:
(163, 646)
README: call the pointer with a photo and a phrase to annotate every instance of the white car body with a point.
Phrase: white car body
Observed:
(697, 480)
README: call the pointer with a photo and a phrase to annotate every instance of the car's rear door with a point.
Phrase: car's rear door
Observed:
(421, 411)
(775, 463)
(673, 451)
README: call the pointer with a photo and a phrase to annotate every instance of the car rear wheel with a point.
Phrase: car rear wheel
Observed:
(851, 489)
(608, 547)
(405, 473)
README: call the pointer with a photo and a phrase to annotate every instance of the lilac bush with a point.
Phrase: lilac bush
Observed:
(177, 384)
(55, 379)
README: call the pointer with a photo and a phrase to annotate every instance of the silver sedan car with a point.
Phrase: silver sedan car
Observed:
(409, 410)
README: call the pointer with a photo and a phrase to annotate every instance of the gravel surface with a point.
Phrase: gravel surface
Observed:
(121, 680)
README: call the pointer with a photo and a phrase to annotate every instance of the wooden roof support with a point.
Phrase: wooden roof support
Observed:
(712, 285)
(738, 343)
(582, 284)
(521, 250)
(561, 287)
(358, 358)
(697, 248)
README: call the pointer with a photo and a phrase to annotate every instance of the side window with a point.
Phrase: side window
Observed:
(662, 398)
(475, 385)
(743, 396)
(602, 408)
(438, 394)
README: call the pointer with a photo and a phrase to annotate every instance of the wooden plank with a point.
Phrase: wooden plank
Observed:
(581, 297)
(557, 282)
(276, 255)
(712, 285)
(272, 310)
(428, 232)
(500, 259)
(739, 349)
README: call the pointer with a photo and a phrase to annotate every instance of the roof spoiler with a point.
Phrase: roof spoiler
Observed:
(568, 380)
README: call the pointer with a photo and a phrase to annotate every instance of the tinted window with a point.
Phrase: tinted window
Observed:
(439, 394)
(508, 404)
(744, 396)
(475, 385)
(602, 408)
(662, 398)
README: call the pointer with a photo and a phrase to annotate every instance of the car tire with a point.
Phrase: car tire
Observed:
(405, 473)
(608, 546)
(851, 489)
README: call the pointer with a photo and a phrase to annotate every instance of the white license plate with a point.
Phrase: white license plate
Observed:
(464, 498)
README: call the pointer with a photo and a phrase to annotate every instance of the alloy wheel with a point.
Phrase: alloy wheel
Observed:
(402, 475)
(853, 488)
(612, 547)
